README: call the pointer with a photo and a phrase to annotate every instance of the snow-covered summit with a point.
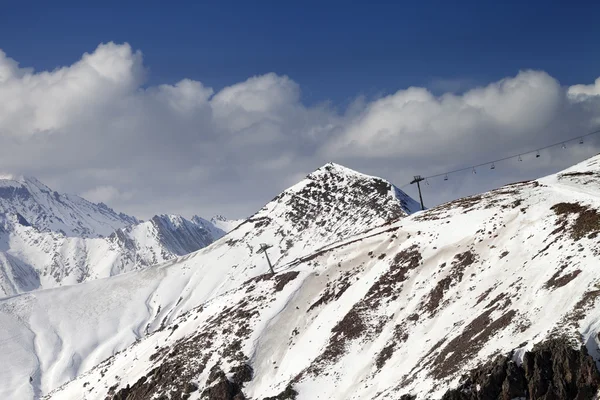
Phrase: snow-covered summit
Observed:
(50, 211)
(337, 187)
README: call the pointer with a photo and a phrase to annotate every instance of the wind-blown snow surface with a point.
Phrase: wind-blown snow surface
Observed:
(49, 239)
(55, 335)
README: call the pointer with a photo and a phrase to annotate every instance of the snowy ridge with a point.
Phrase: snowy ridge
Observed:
(50, 211)
(68, 330)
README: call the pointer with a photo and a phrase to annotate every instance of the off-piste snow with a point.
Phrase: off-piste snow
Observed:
(489, 296)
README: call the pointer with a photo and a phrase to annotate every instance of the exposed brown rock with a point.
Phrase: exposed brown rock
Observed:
(557, 280)
(473, 337)
(283, 279)
(222, 388)
(552, 370)
(586, 223)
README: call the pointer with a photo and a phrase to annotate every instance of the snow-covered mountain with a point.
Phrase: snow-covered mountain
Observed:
(490, 296)
(49, 239)
(32, 259)
(49, 211)
(58, 334)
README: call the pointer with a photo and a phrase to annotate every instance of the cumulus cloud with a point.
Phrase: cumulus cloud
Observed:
(415, 122)
(583, 92)
(93, 128)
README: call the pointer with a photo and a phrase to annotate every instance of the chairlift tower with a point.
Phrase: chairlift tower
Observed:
(419, 178)
(263, 249)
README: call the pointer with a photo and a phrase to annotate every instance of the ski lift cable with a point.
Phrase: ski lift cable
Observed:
(472, 167)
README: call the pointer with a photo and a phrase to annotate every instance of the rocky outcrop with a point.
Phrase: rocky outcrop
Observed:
(552, 370)
(222, 388)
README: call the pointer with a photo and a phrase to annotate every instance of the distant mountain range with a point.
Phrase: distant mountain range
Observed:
(49, 239)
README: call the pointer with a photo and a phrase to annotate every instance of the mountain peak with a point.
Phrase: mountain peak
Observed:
(332, 168)
(48, 210)
(218, 217)
(338, 180)
(12, 180)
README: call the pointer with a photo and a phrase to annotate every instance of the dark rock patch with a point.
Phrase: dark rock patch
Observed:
(283, 279)
(557, 280)
(288, 394)
(586, 302)
(484, 295)
(461, 262)
(357, 323)
(571, 174)
(388, 284)
(468, 343)
(586, 222)
(222, 388)
(335, 289)
(408, 397)
(552, 370)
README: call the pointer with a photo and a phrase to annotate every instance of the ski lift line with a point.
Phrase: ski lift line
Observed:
(518, 155)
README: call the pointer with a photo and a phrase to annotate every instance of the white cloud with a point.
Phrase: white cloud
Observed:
(93, 128)
(582, 92)
(105, 194)
(414, 121)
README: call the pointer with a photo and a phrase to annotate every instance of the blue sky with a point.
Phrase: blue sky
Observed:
(215, 107)
(335, 50)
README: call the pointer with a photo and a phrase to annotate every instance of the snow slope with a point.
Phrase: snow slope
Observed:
(363, 305)
(55, 335)
(405, 308)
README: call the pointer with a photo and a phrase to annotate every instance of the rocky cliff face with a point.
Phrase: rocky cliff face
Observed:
(554, 369)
